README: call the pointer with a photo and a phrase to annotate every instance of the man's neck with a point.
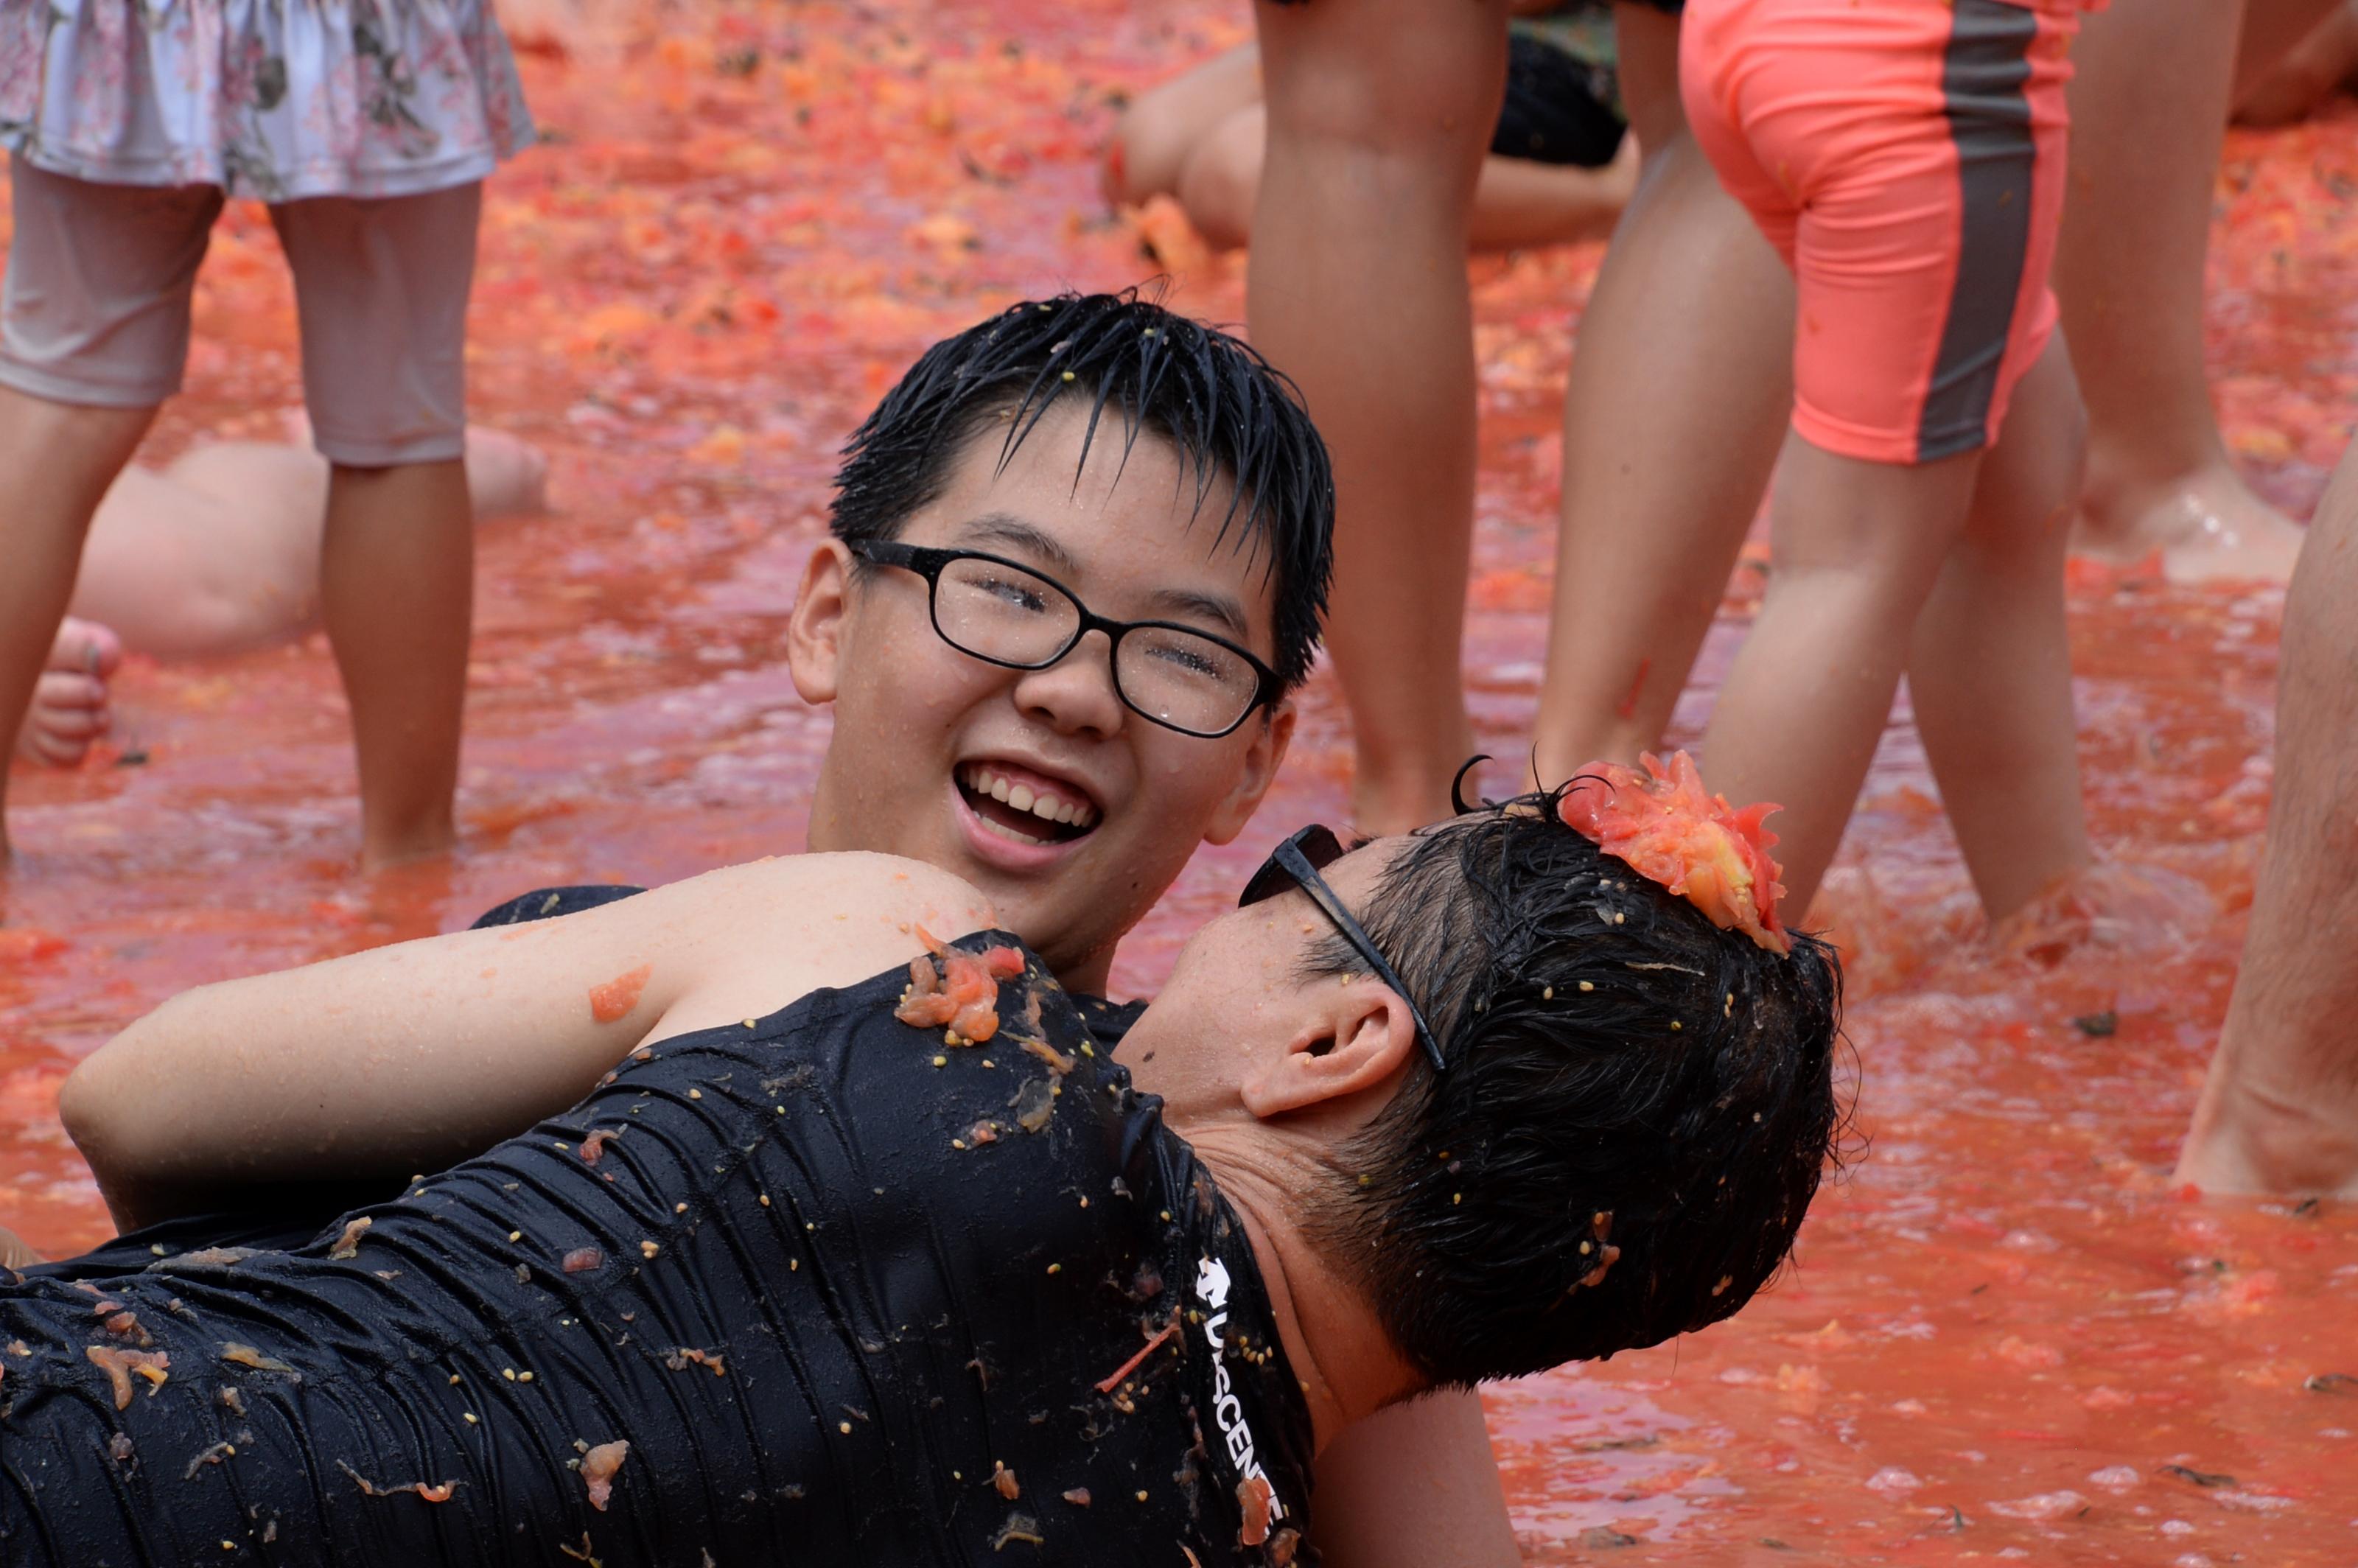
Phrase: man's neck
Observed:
(1334, 1341)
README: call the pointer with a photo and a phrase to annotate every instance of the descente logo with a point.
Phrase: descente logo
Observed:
(1228, 1410)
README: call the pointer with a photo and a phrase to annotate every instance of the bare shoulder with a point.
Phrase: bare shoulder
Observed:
(856, 889)
(771, 931)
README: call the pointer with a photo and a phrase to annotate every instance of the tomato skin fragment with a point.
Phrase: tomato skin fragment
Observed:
(1253, 1494)
(613, 1001)
(957, 989)
(598, 1468)
(348, 1245)
(118, 1365)
(247, 1355)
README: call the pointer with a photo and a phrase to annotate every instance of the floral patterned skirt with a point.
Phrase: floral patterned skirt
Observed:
(274, 99)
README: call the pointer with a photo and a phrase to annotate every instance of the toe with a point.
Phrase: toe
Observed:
(86, 645)
(62, 691)
(76, 725)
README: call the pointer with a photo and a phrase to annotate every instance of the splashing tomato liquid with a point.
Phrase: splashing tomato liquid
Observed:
(2005, 1335)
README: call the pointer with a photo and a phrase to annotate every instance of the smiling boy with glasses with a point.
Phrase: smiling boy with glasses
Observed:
(954, 1208)
(1095, 452)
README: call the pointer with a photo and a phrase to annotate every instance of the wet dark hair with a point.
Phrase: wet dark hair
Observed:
(1230, 414)
(1621, 1073)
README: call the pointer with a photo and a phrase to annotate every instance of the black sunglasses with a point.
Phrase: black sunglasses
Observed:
(1296, 862)
(1019, 618)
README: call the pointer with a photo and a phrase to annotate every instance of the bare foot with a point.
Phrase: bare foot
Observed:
(2207, 525)
(68, 710)
(2114, 906)
(2247, 1138)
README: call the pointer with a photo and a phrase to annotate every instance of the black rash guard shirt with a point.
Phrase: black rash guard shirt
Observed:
(850, 1296)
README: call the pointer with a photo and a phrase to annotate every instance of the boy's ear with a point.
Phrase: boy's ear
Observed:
(1352, 1035)
(1255, 772)
(815, 630)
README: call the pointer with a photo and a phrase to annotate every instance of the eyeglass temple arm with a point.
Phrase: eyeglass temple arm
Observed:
(1288, 855)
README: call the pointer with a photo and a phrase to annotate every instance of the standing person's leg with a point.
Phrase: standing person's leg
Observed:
(1517, 202)
(1380, 113)
(1856, 547)
(94, 333)
(382, 287)
(2279, 1111)
(1672, 416)
(1989, 669)
(2149, 108)
(1910, 159)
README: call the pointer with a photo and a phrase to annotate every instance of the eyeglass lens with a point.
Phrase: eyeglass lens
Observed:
(1004, 613)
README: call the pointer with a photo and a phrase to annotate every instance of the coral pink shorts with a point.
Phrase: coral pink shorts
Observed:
(1907, 158)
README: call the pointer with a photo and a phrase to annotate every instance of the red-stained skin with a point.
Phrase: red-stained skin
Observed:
(693, 297)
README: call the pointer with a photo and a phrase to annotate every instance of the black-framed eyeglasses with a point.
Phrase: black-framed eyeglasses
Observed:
(1296, 862)
(1006, 613)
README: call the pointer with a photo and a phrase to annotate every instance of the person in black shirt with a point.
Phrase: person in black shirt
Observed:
(905, 1271)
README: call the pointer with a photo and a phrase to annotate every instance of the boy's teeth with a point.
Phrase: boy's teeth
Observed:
(1006, 832)
(1046, 807)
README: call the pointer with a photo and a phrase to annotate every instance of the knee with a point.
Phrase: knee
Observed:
(1149, 148)
(1221, 183)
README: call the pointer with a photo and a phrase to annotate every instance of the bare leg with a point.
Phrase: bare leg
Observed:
(2275, 30)
(220, 551)
(1676, 407)
(181, 569)
(2149, 108)
(69, 708)
(397, 582)
(1856, 549)
(1517, 202)
(1165, 124)
(58, 458)
(1990, 672)
(2304, 79)
(1378, 115)
(2279, 1111)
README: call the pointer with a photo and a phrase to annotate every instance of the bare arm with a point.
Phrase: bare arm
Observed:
(1415, 1486)
(406, 1058)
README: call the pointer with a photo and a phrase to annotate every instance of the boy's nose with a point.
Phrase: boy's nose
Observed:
(1076, 695)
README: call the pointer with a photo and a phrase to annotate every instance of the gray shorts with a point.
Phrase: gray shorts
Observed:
(94, 308)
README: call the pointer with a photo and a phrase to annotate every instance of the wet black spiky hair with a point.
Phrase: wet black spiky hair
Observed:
(1621, 1073)
(1238, 425)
